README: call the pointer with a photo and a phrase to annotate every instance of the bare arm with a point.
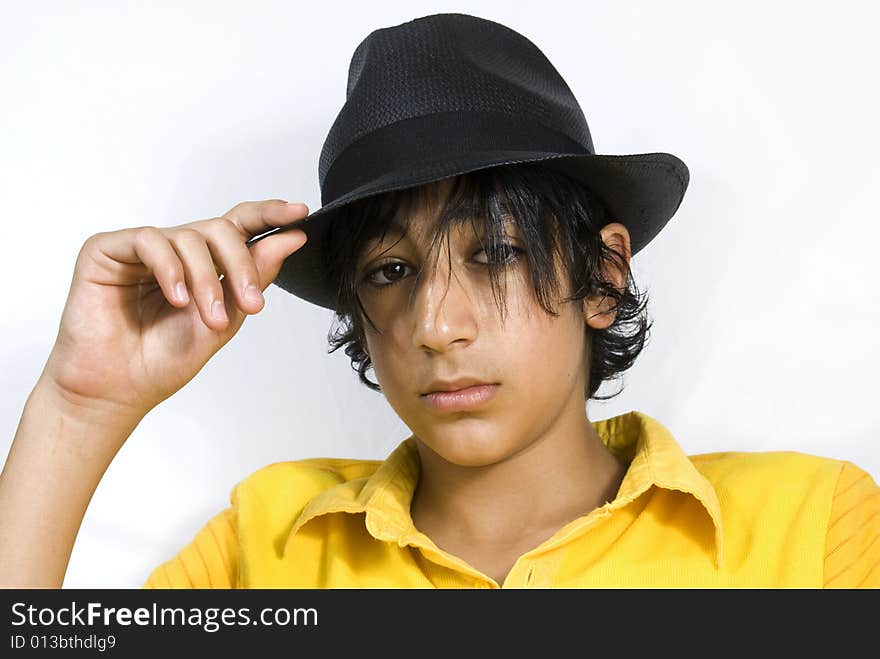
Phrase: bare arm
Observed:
(60, 453)
(125, 343)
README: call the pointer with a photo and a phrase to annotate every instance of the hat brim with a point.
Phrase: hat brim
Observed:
(641, 191)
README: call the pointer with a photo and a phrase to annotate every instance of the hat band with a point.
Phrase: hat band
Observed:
(436, 138)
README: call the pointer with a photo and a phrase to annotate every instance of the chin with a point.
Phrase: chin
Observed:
(466, 449)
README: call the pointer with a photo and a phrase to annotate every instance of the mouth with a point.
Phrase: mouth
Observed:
(458, 384)
(462, 399)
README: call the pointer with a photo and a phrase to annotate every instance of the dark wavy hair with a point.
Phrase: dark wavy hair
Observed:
(534, 196)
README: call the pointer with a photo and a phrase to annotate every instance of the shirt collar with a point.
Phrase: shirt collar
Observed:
(654, 458)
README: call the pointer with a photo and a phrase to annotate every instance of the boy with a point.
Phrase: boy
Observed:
(458, 140)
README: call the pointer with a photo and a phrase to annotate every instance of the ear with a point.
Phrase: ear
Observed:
(599, 309)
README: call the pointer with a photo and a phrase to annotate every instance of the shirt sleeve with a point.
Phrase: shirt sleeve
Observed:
(210, 560)
(852, 542)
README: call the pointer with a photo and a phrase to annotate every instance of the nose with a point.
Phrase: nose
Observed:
(444, 308)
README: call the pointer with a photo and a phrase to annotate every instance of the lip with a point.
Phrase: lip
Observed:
(468, 398)
(457, 384)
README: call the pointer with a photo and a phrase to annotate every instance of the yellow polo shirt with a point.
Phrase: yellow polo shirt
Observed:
(714, 520)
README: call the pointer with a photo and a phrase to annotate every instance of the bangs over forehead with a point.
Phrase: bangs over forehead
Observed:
(490, 201)
(440, 206)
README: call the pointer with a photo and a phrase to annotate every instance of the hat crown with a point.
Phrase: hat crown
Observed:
(448, 94)
(450, 63)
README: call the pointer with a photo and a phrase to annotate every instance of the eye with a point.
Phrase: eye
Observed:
(385, 269)
(393, 271)
(503, 253)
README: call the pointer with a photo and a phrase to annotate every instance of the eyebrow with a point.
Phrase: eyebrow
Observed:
(395, 228)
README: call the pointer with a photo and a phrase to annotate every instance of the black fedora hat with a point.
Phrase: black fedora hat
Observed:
(447, 94)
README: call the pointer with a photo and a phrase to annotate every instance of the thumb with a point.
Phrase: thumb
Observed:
(269, 253)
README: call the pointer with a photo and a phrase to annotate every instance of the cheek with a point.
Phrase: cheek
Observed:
(545, 358)
(389, 366)
(534, 365)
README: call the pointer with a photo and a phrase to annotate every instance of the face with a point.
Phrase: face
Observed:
(447, 326)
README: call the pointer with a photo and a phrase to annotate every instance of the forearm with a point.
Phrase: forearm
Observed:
(58, 456)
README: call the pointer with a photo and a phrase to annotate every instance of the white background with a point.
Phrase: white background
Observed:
(763, 287)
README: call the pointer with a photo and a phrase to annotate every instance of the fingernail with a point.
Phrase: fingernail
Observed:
(218, 310)
(298, 205)
(252, 294)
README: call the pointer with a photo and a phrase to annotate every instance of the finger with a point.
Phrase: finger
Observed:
(269, 254)
(235, 260)
(201, 276)
(256, 217)
(148, 246)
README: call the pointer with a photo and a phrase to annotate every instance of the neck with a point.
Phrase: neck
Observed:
(563, 474)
